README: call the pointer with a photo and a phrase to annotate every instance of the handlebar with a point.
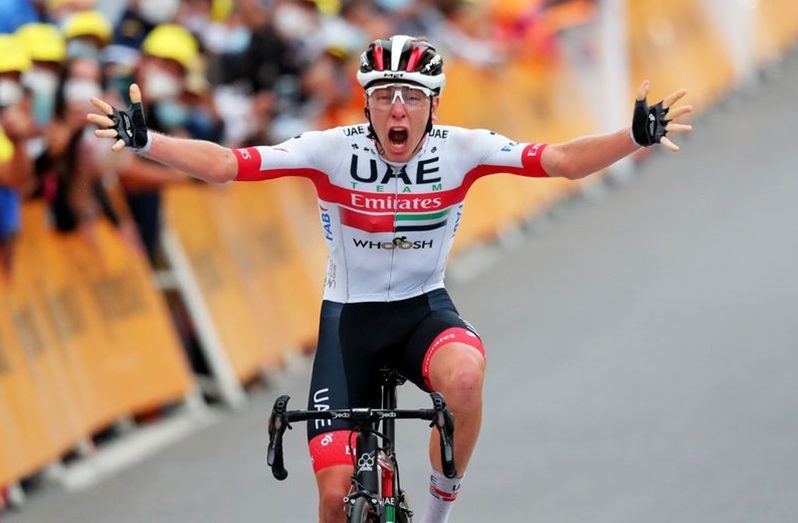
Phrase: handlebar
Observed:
(281, 419)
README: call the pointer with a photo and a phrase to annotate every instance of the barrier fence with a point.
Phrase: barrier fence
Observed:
(86, 337)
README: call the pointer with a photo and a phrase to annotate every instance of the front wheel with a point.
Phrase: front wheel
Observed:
(362, 512)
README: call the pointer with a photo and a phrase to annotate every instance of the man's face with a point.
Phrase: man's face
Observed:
(399, 114)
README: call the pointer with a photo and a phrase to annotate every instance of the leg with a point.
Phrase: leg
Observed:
(454, 365)
(457, 371)
(341, 378)
(333, 483)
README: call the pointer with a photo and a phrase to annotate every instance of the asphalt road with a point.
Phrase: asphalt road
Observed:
(643, 349)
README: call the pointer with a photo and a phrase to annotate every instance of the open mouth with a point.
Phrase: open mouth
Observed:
(398, 136)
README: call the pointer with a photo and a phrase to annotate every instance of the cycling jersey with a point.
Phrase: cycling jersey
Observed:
(389, 227)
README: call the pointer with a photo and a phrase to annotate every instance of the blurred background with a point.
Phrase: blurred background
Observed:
(640, 323)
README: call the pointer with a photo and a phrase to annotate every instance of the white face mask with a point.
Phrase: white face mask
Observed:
(293, 22)
(10, 92)
(158, 11)
(80, 90)
(160, 85)
(40, 81)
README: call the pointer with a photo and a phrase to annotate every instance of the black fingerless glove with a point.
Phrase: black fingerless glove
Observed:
(648, 123)
(131, 127)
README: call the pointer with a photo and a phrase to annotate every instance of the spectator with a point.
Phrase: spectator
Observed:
(167, 56)
(138, 19)
(16, 126)
(47, 50)
(87, 33)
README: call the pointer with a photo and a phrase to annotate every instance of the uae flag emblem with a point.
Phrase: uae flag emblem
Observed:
(407, 222)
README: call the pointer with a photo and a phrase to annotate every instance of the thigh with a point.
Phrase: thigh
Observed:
(341, 379)
(438, 328)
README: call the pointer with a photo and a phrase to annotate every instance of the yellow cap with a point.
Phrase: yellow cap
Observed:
(88, 23)
(6, 147)
(221, 9)
(44, 42)
(172, 42)
(328, 7)
(13, 55)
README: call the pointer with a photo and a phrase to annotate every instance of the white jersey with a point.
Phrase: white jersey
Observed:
(389, 227)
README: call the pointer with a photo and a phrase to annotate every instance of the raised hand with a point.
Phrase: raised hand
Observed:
(128, 128)
(650, 124)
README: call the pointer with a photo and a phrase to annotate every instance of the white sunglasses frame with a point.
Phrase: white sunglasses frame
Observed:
(398, 93)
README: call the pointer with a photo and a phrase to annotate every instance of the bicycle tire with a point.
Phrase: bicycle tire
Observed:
(362, 512)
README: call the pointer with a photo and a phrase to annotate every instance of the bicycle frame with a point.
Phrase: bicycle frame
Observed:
(375, 466)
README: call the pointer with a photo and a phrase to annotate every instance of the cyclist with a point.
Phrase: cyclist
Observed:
(391, 194)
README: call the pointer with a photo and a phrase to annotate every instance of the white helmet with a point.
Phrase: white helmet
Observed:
(402, 58)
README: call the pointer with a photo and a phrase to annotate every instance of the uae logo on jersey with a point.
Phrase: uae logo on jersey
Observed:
(409, 222)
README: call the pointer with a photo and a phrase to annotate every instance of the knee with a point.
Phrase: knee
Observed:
(331, 502)
(462, 385)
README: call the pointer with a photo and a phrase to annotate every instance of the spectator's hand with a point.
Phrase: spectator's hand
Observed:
(128, 128)
(650, 124)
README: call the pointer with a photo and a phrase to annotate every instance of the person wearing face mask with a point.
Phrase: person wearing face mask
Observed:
(87, 33)
(16, 126)
(47, 50)
(167, 55)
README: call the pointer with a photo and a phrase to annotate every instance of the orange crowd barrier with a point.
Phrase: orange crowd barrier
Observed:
(264, 239)
(675, 44)
(527, 103)
(222, 275)
(776, 27)
(85, 338)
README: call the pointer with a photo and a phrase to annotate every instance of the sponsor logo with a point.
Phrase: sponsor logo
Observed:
(329, 278)
(439, 133)
(366, 462)
(128, 130)
(388, 203)
(326, 223)
(397, 243)
(509, 147)
(357, 129)
(457, 219)
(245, 154)
(321, 402)
(436, 61)
(425, 171)
(533, 151)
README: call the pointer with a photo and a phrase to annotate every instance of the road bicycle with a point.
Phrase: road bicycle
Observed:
(376, 495)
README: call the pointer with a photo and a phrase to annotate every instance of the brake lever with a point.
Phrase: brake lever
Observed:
(277, 426)
(444, 421)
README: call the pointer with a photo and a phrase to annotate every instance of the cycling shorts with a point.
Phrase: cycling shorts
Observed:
(355, 339)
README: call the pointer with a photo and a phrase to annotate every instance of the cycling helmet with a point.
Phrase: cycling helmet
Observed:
(402, 58)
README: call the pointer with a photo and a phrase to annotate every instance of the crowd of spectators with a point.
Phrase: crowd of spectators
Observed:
(237, 72)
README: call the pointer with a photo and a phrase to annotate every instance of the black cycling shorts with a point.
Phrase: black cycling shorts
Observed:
(355, 339)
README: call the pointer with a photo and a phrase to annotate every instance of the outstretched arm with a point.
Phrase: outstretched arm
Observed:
(201, 159)
(583, 156)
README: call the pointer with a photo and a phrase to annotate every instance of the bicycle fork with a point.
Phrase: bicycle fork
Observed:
(371, 466)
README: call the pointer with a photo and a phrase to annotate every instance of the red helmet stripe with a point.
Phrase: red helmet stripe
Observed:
(415, 56)
(378, 57)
